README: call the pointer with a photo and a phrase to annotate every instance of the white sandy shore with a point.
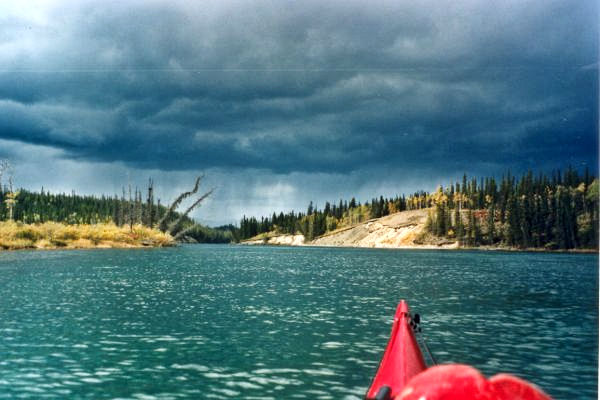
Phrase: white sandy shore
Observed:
(396, 231)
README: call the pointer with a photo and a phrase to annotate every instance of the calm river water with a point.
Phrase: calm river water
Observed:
(216, 321)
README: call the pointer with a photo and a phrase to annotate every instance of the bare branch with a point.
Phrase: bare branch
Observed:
(162, 224)
(173, 227)
(183, 232)
(6, 169)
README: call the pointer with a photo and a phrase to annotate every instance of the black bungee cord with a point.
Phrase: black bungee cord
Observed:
(415, 322)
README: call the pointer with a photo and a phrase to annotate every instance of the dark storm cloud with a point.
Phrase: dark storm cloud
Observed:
(304, 86)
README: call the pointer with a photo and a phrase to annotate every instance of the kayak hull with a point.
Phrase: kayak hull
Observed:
(402, 358)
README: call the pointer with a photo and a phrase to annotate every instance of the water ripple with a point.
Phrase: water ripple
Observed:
(271, 323)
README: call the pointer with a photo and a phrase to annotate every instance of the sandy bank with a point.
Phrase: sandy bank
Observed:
(401, 230)
(281, 240)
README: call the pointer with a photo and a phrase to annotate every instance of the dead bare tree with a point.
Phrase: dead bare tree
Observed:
(174, 227)
(150, 204)
(11, 196)
(5, 169)
(131, 211)
(162, 223)
(183, 232)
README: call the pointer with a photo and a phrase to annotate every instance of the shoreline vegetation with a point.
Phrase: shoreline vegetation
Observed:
(557, 212)
(55, 235)
(380, 234)
(44, 220)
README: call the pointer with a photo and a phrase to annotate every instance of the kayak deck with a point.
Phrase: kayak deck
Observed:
(401, 360)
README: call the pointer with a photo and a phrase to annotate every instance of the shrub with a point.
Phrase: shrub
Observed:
(15, 235)
(58, 242)
(29, 233)
(68, 233)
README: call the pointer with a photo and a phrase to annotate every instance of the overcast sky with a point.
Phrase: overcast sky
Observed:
(281, 102)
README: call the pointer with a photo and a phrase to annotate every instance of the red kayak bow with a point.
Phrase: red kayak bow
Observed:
(403, 375)
(401, 361)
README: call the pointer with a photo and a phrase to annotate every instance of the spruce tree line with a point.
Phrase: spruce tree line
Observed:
(133, 207)
(130, 209)
(535, 211)
(556, 211)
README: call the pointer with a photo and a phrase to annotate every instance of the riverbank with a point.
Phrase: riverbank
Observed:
(53, 235)
(402, 230)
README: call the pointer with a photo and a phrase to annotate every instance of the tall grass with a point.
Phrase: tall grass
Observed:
(16, 235)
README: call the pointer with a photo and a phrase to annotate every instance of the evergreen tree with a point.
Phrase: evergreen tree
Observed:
(513, 234)
(458, 225)
(470, 231)
(385, 210)
(440, 220)
(150, 204)
(491, 224)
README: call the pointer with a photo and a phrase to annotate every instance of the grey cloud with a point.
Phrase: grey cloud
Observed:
(303, 86)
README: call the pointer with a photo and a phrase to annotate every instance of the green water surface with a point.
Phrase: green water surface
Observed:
(217, 321)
